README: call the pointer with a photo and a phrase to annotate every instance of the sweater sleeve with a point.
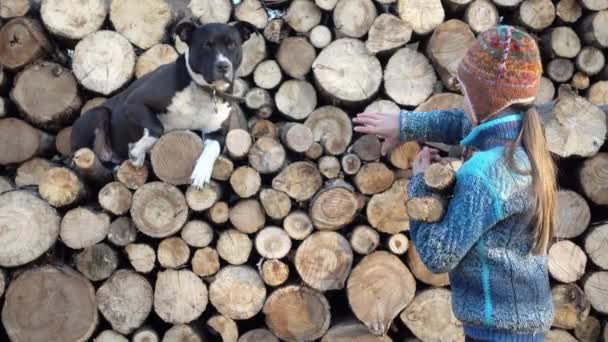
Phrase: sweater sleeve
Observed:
(472, 211)
(444, 126)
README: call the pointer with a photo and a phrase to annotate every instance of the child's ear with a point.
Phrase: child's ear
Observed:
(245, 29)
(184, 31)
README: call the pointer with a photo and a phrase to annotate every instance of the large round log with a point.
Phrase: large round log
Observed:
(300, 181)
(214, 11)
(296, 99)
(594, 178)
(423, 15)
(409, 78)
(386, 211)
(421, 272)
(596, 287)
(153, 58)
(73, 21)
(388, 32)
(179, 296)
(595, 243)
(143, 23)
(562, 42)
(82, 227)
(14, 8)
(174, 156)
(159, 209)
(334, 208)
(252, 12)
(22, 41)
(570, 305)
(567, 261)
(237, 292)
(354, 18)
(19, 141)
(574, 214)
(593, 29)
(536, 15)
(97, 262)
(481, 15)
(374, 178)
(332, 128)
(302, 16)
(267, 155)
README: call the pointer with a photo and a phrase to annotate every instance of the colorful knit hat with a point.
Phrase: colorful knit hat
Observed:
(501, 69)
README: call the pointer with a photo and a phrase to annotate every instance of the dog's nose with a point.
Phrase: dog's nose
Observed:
(223, 66)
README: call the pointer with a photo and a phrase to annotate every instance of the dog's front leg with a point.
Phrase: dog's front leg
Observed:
(138, 150)
(201, 175)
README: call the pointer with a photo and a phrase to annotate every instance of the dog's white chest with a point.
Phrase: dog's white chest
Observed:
(192, 109)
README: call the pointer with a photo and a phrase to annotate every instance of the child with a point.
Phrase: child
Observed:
(494, 236)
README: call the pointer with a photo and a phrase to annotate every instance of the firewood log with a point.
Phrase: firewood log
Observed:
(97, 262)
(258, 335)
(277, 204)
(90, 167)
(588, 330)
(159, 209)
(183, 332)
(61, 187)
(573, 215)
(197, 234)
(354, 18)
(386, 211)
(302, 16)
(571, 305)
(254, 51)
(22, 41)
(276, 30)
(241, 280)
(351, 164)
(300, 180)
(320, 36)
(374, 178)
(31, 172)
(173, 253)
(141, 256)
(205, 262)
(409, 78)
(16, 8)
(298, 225)
(481, 15)
(73, 21)
(224, 327)
(332, 128)
(423, 15)
(152, 18)
(274, 272)
(334, 207)
(122, 232)
(252, 12)
(593, 29)
(234, 246)
(214, 11)
(567, 261)
(387, 33)
(179, 296)
(154, 57)
(364, 239)
(296, 99)
(398, 244)
(595, 290)
(267, 75)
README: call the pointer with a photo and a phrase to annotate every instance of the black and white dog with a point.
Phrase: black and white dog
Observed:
(180, 95)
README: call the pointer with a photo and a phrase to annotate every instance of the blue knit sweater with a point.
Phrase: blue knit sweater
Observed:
(500, 291)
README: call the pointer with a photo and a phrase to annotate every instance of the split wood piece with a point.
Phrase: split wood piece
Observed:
(173, 253)
(329, 166)
(560, 70)
(258, 335)
(352, 331)
(153, 58)
(179, 296)
(122, 232)
(82, 228)
(298, 225)
(567, 261)
(580, 81)
(386, 212)
(399, 244)
(570, 304)
(354, 18)
(263, 128)
(594, 178)
(423, 15)
(49, 107)
(332, 128)
(247, 216)
(447, 47)
(159, 209)
(234, 246)
(97, 262)
(276, 31)
(245, 181)
(595, 286)
(367, 148)
(131, 176)
(296, 99)
(152, 17)
(237, 292)
(561, 42)
(272, 243)
(260, 101)
(204, 198)
(374, 178)
(402, 157)
(536, 15)
(183, 332)
(440, 177)
(267, 155)
(61, 187)
(62, 295)
(594, 244)
(218, 213)
(62, 142)
(174, 156)
(387, 33)
(15, 8)
(393, 289)
(335, 207)
(103, 61)
(430, 316)
(22, 41)
(481, 15)
(297, 313)
(252, 12)
(364, 239)
(73, 22)
(90, 167)
(238, 143)
(588, 330)
(571, 116)
(303, 15)
(274, 272)
(277, 204)
(214, 11)
(299, 180)
(320, 36)
(315, 151)
(421, 272)
(31, 227)
(141, 256)
(569, 11)
(409, 77)
(590, 60)
(197, 234)
(205, 262)
(428, 209)
(346, 72)
(222, 169)
(557, 335)
(594, 5)
(546, 92)
(267, 75)
(125, 300)
(573, 215)
(296, 57)
(254, 52)
(225, 327)
(351, 164)
(31, 172)
(593, 29)
(598, 93)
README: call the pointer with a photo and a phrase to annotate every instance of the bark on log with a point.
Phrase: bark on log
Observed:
(537, 15)
(252, 12)
(234, 246)
(296, 99)
(386, 211)
(22, 41)
(267, 155)
(152, 17)
(179, 296)
(225, 327)
(205, 262)
(267, 75)
(409, 78)
(320, 36)
(254, 51)
(588, 330)
(258, 335)
(132, 177)
(364, 239)
(598, 93)
(595, 246)
(153, 58)
(567, 261)
(570, 304)
(398, 244)
(274, 272)
(205, 198)
(393, 289)
(237, 292)
(351, 164)
(214, 11)
(354, 18)
(334, 208)
(15, 8)
(276, 204)
(82, 228)
(329, 166)
(97, 262)
(595, 286)
(141, 256)
(562, 42)
(332, 128)
(594, 179)
(299, 180)
(298, 225)
(90, 167)
(388, 32)
(302, 16)
(197, 234)
(122, 232)
(421, 272)
(560, 70)
(183, 332)
(174, 156)
(245, 181)
(31, 172)
(593, 29)
(218, 213)
(423, 15)
(573, 215)
(60, 187)
(159, 209)
(73, 21)
(481, 15)
(173, 253)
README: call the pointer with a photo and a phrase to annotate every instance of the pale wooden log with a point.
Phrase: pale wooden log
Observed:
(15, 8)
(590, 60)
(536, 15)
(297, 313)
(573, 215)
(125, 300)
(110, 336)
(103, 61)
(299, 180)
(62, 142)
(567, 261)
(245, 181)
(90, 167)
(267, 75)
(259, 99)
(174, 156)
(152, 18)
(402, 157)
(569, 11)
(315, 151)
(571, 116)
(141, 256)
(31, 172)
(222, 169)
(31, 227)
(122, 232)
(598, 93)
(334, 208)
(154, 57)
(214, 11)
(364, 239)
(173, 253)
(263, 128)
(267, 155)
(374, 178)
(218, 213)
(159, 209)
(205, 262)
(386, 211)
(546, 92)
(204, 198)
(594, 5)
(234, 246)
(426, 209)
(132, 177)
(49, 107)
(423, 15)
(254, 51)
(66, 20)
(6, 184)
(560, 70)
(393, 289)
(296, 99)
(594, 245)
(354, 18)
(409, 77)
(277, 204)
(274, 272)
(296, 137)
(249, 288)
(115, 198)
(303, 15)
(3, 282)
(440, 177)
(252, 12)
(296, 56)
(332, 128)
(570, 304)
(430, 316)
(421, 272)
(580, 81)
(388, 32)
(298, 225)
(258, 335)
(22, 41)
(197, 234)
(82, 228)
(595, 286)
(179, 296)
(351, 164)
(561, 42)
(276, 30)
(558, 335)
(225, 327)
(329, 166)
(593, 29)
(60, 187)
(327, 5)
(352, 331)
(588, 330)
(97, 262)
(238, 143)
(398, 244)
(594, 179)
(272, 243)
(481, 15)
(447, 47)
(320, 36)
(367, 147)
(182, 332)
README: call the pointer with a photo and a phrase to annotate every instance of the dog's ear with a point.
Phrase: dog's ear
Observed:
(245, 29)
(184, 31)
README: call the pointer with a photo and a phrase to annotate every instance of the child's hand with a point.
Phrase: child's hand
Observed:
(424, 159)
(383, 125)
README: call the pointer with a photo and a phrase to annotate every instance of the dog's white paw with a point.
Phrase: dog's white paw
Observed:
(224, 108)
(137, 159)
(201, 175)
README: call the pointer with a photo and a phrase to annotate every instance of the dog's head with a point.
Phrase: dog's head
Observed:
(214, 51)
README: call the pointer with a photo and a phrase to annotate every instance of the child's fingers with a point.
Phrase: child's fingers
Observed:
(365, 129)
(365, 121)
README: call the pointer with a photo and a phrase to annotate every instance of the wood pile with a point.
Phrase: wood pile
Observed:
(303, 233)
